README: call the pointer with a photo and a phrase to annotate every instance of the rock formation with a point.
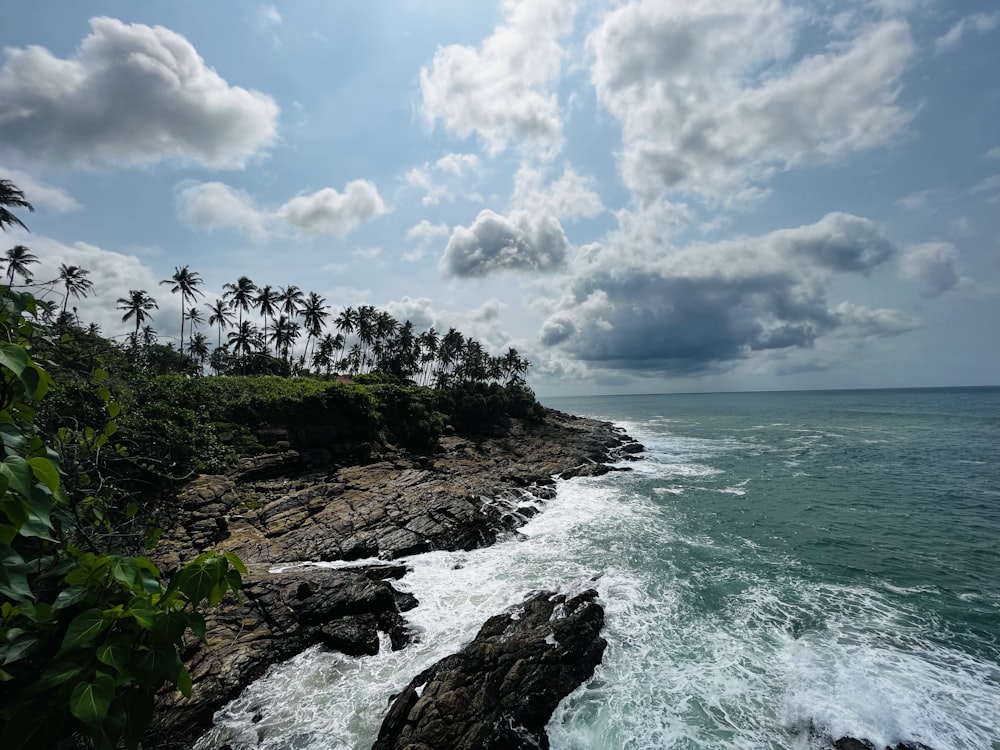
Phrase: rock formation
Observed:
(501, 689)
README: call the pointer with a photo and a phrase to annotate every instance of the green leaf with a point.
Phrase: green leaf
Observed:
(84, 628)
(116, 654)
(184, 682)
(197, 624)
(138, 714)
(70, 596)
(236, 562)
(197, 579)
(19, 475)
(89, 701)
(142, 612)
(45, 472)
(60, 671)
(20, 646)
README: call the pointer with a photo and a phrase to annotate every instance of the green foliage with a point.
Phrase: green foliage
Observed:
(410, 415)
(475, 406)
(86, 638)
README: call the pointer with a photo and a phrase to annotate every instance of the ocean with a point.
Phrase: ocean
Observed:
(780, 567)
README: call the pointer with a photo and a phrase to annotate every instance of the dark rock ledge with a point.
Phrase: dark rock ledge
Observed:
(467, 495)
(501, 689)
(851, 743)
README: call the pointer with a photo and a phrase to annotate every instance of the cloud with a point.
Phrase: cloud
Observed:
(39, 194)
(505, 90)
(917, 201)
(211, 206)
(934, 265)
(980, 22)
(131, 95)
(571, 196)
(425, 231)
(450, 177)
(332, 213)
(267, 17)
(714, 100)
(993, 153)
(494, 243)
(657, 309)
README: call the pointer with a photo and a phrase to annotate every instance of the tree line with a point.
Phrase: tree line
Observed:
(355, 340)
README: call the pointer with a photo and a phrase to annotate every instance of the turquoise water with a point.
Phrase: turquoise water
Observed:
(779, 567)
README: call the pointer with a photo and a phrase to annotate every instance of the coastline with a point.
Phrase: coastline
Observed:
(470, 492)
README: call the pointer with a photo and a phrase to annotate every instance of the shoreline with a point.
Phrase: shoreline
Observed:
(469, 493)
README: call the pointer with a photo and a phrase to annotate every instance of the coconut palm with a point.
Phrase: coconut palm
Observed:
(193, 317)
(186, 282)
(240, 296)
(11, 196)
(284, 335)
(220, 314)
(314, 314)
(291, 299)
(245, 338)
(137, 305)
(18, 260)
(267, 301)
(74, 278)
(198, 348)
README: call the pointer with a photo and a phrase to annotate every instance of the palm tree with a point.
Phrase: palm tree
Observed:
(18, 260)
(267, 300)
(198, 348)
(365, 325)
(11, 196)
(284, 335)
(291, 299)
(220, 314)
(137, 305)
(314, 314)
(186, 282)
(76, 282)
(240, 295)
(245, 338)
(194, 318)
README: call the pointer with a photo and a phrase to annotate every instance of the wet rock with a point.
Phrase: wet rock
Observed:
(281, 615)
(852, 743)
(501, 689)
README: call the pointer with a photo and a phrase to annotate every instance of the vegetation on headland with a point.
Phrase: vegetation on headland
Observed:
(87, 633)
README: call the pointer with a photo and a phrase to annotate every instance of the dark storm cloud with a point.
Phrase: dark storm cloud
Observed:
(707, 306)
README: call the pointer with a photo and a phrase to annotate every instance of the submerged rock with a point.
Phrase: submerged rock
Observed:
(501, 689)
(852, 743)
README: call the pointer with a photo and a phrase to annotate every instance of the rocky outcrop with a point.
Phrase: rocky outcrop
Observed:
(391, 505)
(281, 614)
(850, 743)
(501, 689)
(397, 504)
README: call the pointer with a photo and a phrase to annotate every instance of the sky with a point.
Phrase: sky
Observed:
(640, 196)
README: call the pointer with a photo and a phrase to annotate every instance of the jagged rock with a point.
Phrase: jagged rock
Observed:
(281, 615)
(852, 743)
(501, 689)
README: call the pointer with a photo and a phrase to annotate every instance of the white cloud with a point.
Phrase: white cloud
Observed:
(332, 213)
(980, 22)
(993, 153)
(267, 17)
(934, 265)
(571, 196)
(495, 243)
(504, 91)
(713, 98)
(451, 177)
(131, 95)
(39, 194)
(425, 231)
(211, 206)
(917, 201)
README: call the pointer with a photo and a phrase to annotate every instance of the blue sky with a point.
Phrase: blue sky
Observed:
(640, 196)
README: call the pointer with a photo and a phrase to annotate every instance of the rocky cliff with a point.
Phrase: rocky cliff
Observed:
(275, 513)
